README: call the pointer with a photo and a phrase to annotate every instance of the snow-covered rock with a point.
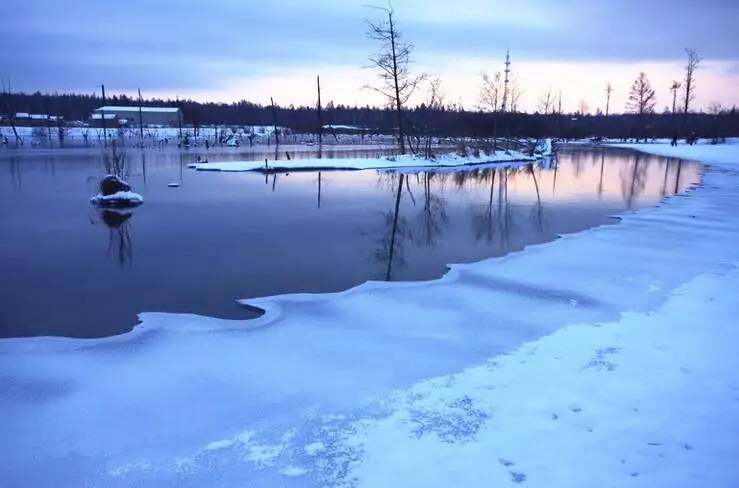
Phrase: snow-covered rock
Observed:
(111, 184)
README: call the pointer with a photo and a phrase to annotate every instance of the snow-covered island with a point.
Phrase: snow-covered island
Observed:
(446, 160)
(115, 192)
(633, 383)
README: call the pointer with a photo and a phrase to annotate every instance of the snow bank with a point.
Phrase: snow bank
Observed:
(628, 377)
(703, 151)
(386, 162)
(118, 199)
(650, 400)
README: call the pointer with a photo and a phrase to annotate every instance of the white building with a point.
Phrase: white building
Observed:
(168, 116)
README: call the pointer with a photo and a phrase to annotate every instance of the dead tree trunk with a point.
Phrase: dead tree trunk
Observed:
(141, 122)
(274, 122)
(398, 104)
(320, 118)
(102, 115)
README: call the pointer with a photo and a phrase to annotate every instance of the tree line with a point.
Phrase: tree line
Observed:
(435, 119)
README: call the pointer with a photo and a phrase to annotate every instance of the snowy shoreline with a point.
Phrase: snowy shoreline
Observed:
(628, 378)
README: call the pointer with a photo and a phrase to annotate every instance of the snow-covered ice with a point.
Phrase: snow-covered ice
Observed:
(605, 358)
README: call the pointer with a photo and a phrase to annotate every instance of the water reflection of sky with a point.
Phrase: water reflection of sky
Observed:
(72, 270)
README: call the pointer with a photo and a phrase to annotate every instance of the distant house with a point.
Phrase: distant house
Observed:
(26, 119)
(166, 116)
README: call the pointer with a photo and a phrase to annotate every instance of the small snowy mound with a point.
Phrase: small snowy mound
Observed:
(118, 199)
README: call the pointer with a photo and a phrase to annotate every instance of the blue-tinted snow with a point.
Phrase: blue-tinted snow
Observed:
(636, 385)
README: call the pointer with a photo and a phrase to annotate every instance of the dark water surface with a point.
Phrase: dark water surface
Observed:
(69, 269)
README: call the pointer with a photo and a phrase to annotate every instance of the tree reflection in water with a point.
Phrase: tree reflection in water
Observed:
(120, 242)
(391, 246)
(633, 181)
(433, 217)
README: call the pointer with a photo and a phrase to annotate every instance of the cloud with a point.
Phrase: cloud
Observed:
(189, 45)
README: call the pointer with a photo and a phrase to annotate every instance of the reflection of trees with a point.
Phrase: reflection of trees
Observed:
(538, 210)
(482, 216)
(633, 182)
(15, 172)
(664, 181)
(577, 163)
(432, 218)
(677, 176)
(119, 234)
(391, 248)
(319, 188)
(600, 182)
(489, 221)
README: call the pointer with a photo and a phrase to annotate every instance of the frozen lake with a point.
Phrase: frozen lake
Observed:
(71, 270)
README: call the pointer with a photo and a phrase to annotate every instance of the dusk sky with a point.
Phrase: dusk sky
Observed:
(226, 50)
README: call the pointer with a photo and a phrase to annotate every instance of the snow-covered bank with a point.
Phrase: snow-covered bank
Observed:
(385, 162)
(651, 400)
(195, 401)
(703, 151)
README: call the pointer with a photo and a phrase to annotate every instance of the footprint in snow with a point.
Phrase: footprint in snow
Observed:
(506, 462)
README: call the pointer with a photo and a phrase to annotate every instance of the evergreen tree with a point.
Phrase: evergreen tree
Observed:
(641, 96)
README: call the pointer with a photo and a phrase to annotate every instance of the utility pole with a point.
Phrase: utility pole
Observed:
(141, 122)
(105, 129)
(609, 90)
(320, 119)
(507, 72)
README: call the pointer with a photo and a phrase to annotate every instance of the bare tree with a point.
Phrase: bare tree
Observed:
(641, 96)
(434, 101)
(514, 94)
(583, 107)
(559, 103)
(674, 88)
(491, 92)
(693, 62)
(320, 118)
(545, 104)
(609, 90)
(392, 61)
(715, 108)
(491, 96)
